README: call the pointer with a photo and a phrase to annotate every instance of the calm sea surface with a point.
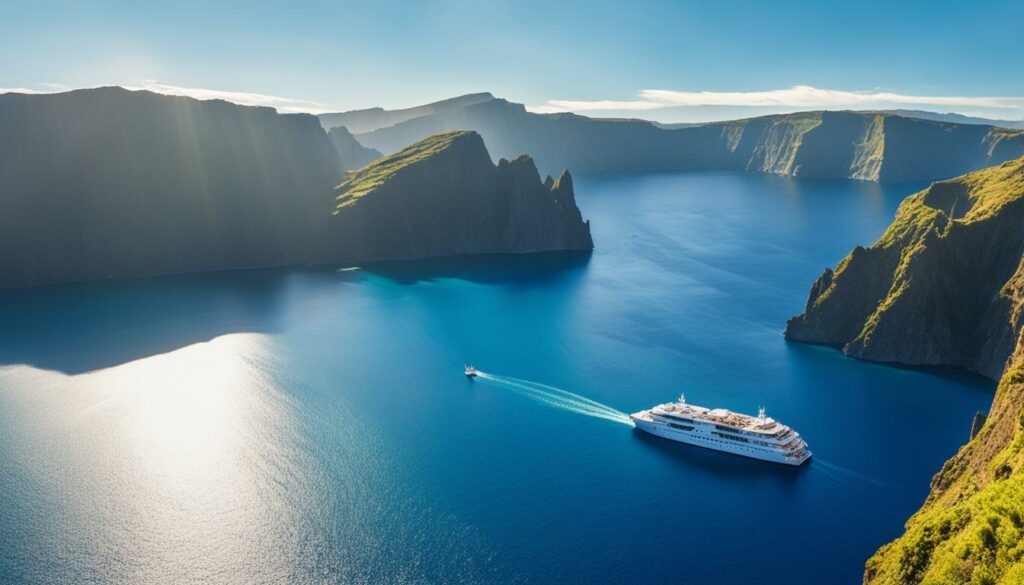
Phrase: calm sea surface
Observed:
(314, 426)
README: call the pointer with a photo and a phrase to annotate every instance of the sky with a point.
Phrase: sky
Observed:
(672, 61)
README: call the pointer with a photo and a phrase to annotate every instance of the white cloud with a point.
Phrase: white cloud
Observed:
(282, 104)
(799, 96)
(19, 90)
(556, 106)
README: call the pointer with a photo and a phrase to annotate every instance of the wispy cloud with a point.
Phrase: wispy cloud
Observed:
(282, 104)
(799, 96)
(19, 90)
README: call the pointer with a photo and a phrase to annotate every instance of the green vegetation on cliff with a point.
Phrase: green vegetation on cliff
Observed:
(371, 177)
(971, 528)
(945, 285)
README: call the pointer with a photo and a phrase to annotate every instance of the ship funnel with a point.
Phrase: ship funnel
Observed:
(760, 413)
(682, 399)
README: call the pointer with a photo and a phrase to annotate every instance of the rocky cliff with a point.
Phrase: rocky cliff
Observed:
(859, 145)
(353, 155)
(971, 527)
(932, 290)
(444, 196)
(111, 183)
(945, 285)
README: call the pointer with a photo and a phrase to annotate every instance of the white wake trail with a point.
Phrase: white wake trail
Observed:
(566, 395)
(559, 398)
(562, 398)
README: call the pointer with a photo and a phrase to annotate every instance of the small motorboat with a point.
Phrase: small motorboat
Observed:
(470, 372)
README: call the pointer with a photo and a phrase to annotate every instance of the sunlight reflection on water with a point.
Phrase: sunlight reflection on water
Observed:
(184, 465)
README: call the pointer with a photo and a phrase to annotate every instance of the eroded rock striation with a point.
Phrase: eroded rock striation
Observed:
(945, 285)
(444, 196)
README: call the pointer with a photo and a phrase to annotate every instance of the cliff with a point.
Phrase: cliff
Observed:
(971, 526)
(932, 290)
(957, 118)
(110, 183)
(444, 196)
(352, 154)
(873, 146)
(945, 285)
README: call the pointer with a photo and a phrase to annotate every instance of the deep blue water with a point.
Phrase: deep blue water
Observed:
(314, 426)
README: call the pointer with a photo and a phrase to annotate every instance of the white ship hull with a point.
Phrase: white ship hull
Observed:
(704, 438)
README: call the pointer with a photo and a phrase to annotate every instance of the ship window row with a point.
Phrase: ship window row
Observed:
(742, 440)
(680, 427)
(785, 433)
(752, 450)
(732, 437)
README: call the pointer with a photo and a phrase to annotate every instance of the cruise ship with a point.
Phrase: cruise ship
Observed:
(759, 437)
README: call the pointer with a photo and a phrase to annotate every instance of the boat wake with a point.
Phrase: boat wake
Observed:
(558, 398)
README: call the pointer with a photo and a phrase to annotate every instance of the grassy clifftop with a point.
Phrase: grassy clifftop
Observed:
(366, 180)
(927, 293)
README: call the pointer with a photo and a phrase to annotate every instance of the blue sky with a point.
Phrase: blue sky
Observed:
(643, 59)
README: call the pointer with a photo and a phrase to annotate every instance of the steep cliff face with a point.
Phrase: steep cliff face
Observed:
(971, 527)
(110, 183)
(932, 290)
(353, 155)
(870, 146)
(945, 285)
(443, 196)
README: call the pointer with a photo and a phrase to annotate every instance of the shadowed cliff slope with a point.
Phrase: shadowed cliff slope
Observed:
(945, 285)
(359, 121)
(859, 145)
(443, 196)
(353, 155)
(111, 183)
